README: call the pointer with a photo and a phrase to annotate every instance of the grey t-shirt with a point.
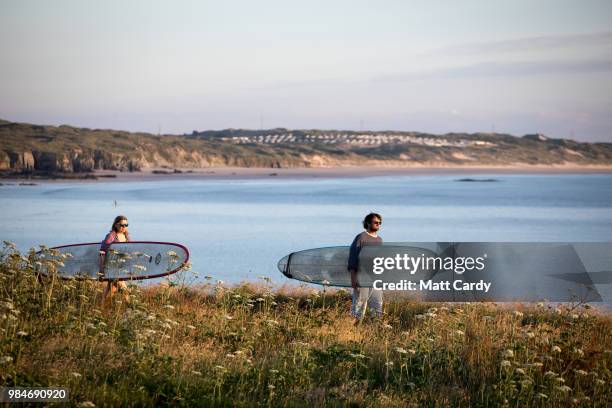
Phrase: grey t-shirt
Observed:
(361, 240)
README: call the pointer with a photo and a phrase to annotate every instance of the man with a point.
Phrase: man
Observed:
(365, 297)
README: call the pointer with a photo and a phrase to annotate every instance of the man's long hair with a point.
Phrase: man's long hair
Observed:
(368, 219)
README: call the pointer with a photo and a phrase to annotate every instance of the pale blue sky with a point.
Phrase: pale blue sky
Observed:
(440, 66)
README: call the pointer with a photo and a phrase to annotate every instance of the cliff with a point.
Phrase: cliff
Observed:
(30, 148)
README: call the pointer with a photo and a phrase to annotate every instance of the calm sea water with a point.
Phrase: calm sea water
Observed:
(238, 229)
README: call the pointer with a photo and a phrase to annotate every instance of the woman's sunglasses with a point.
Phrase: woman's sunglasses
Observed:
(124, 225)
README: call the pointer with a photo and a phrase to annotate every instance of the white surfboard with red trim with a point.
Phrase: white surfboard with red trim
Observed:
(122, 261)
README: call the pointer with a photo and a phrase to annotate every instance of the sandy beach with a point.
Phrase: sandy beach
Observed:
(242, 173)
(342, 172)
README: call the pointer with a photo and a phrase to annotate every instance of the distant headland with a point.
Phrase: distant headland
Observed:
(40, 151)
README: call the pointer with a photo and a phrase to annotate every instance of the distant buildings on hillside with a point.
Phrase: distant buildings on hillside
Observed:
(354, 139)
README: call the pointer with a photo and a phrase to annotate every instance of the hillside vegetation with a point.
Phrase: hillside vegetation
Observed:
(26, 148)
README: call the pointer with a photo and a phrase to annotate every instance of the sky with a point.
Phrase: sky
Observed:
(513, 67)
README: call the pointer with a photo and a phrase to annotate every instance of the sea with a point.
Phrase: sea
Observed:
(237, 230)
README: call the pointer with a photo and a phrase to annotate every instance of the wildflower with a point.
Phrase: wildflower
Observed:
(520, 371)
(22, 333)
(412, 351)
(190, 327)
(540, 395)
(86, 404)
(420, 316)
(401, 350)
(488, 318)
(560, 380)
(169, 307)
(272, 322)
(581, 372)
(389, 363)
(387, 326)
(517, 313)
(550, 374)
(575, 316)
(508, 353)
(599, 381)
(6, 359)
(563, 388)
(76, 375)
(102, 334)
(555, 349)
(220, 367)
(230, 355)
(356, 355)
(194, 372)
(274, 371)
(506, 364)
(270, 386)
(529, 335)
(83, 297)
(9, 244)
(459, 332)
(579, 352)
(228, 317)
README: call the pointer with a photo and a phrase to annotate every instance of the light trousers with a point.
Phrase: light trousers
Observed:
(364, 298)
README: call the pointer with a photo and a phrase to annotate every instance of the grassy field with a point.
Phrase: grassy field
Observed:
(253, 345)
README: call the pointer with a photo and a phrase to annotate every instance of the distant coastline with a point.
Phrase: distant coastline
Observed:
(37, 152)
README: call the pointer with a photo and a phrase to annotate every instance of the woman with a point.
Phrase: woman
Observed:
(118, 233)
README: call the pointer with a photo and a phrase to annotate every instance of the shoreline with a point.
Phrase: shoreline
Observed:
(259, 173)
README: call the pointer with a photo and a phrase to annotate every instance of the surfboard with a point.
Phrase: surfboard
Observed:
(525, 271)
(329, 266)
(123, 260)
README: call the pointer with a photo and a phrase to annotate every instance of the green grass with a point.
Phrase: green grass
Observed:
(257, 345)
